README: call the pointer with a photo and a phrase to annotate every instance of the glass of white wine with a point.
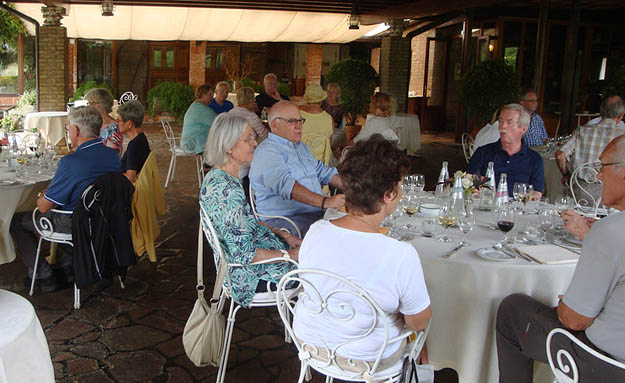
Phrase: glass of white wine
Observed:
(447, 218)
(410, 205)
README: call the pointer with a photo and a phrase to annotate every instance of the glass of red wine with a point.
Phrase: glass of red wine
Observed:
(505, 223)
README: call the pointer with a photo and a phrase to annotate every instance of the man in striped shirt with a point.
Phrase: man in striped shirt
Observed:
(536, 132)
(588, 142)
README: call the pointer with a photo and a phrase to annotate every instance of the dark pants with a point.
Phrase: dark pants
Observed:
(303, 222)
(522, 327)
(25, 238)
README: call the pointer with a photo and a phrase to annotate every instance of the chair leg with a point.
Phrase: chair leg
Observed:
(32, 282)
(302, 372)
(329, 379)
(76, 297)
(173, 172)
(121, 283)
(308, 374)
(171, 164)
(221, 374)
(287, 336)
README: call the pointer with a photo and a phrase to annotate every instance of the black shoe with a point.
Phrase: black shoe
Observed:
(47, 285)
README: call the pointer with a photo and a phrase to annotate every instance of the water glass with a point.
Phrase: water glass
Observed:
(466, 224)
(430, 228)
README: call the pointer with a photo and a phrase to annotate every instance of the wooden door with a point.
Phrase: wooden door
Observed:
(169, 61)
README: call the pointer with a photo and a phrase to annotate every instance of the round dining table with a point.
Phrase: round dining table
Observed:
(51, 125)
(17, 195)
(466, 290)
(24, 352)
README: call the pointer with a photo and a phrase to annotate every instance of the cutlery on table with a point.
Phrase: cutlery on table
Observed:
(453, 251)
(523, 255)
(499, 247)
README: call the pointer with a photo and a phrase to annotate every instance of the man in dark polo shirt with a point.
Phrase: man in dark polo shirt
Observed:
(74, 173)
(271, 95)
(510, 153)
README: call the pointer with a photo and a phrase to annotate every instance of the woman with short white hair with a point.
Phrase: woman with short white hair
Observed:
(229, 146)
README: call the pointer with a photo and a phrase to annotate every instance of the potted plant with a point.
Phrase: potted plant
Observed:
(171, 97)
(486, 87)
(357, 80)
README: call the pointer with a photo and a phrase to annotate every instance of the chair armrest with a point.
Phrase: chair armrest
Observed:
(264, 261)
(68, 212)
(298, 232)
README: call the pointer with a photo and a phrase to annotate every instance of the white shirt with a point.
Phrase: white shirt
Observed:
(389, 270)
(596, 120)
(378, 125)
(488, 134)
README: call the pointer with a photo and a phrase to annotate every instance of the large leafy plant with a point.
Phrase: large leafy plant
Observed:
(84, 87)
(487, 86)
(358, 80)
(171, 97)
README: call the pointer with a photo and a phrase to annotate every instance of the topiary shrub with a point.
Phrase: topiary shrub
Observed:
(357, 80)
(486, 87)
(171, 97)
(85, 86)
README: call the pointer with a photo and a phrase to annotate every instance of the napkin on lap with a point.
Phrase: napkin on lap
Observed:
(550, 254)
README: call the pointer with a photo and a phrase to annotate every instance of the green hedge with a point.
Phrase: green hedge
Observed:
(171, 97)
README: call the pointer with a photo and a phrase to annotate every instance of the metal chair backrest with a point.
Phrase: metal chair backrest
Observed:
(213, 239)
(127, 96)
(584, 198)
(346, 303)
(467, 146)
(169, 133)
(567, 370)
(257, 215)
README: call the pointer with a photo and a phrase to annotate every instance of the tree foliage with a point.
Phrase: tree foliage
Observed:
(487, 86)
(357, 80)
(10, 27)
(85, 86)
(172, 97)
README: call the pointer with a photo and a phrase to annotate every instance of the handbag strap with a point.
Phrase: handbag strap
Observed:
(221, 271)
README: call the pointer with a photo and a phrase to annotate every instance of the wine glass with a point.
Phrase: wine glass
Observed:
(447, 218)
(519, 191)
(563, 203)
(505, 223)
(418, 180)
(527, 196)
(466, 224)
(546, 222)
(409, 205)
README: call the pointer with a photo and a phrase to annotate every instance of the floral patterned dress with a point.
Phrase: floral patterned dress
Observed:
(240, 234)
(112, 137)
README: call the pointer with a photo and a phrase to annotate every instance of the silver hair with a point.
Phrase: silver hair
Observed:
(274, 110)
(270, 75)
(524, 116)
(223, 135)
(612, 108)
(102, 96)
(133, 111)
(245, 95)
(224, 83)
(336, 85)
(87, 119)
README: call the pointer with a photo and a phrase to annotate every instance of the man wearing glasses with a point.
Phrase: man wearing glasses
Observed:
(74, 173)
(286, 178)
(593, 305)
(536, 131)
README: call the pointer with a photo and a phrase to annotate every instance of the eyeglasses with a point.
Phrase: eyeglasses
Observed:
(598, 166)
(292, 121)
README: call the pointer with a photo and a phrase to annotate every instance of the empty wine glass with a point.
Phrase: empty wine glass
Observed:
(419, 182)
(446, 217)
(466, 224)
(546, 222)
(505, 223)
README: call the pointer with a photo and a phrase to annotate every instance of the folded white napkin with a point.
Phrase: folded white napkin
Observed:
(550, 254)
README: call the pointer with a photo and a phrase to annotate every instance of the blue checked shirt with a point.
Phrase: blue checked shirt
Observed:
(536, 131)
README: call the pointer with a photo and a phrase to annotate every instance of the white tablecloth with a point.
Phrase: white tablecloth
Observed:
(51, 125)
(410, 134)
(24, 353)
(21, 197)
(465, 292)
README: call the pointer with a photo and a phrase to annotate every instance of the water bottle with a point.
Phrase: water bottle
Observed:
(13, 153)
(457, 196)
(263, 115)
(487, 194)
(501, 197)
(441, 190)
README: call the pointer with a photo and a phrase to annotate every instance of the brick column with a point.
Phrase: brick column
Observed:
(314, 61)
(395, 69)
(197, 65)
(52, 61)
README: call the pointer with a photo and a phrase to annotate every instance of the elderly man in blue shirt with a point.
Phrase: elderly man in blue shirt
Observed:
(536, 132)
(286, 178)
(510, 153)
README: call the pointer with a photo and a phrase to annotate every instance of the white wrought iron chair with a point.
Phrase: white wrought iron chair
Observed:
(585, 201)
(343, 305)
(264, 299)
(258, 215)
(181, 148)
(127, 96)
(467, 146)
(566, 370)
(45, 229)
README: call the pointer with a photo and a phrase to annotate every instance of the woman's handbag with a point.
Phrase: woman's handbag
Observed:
(203, 334)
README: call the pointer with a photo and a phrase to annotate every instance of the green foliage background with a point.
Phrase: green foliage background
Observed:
(85, 86)
(358, 80)
(10, 27)
(171, 97)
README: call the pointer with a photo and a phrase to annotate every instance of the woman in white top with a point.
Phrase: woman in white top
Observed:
(351, 246)
(380, 120)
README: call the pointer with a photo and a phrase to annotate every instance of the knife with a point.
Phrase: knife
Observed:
(525, 255)
(453, 251)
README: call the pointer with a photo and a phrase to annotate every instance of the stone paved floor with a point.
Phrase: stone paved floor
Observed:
(134, 335)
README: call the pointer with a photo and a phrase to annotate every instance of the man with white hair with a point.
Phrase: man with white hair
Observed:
(510, 153)
(271, 95)
(593, 306)
(286, 178)
(220, 103)
(536, 133)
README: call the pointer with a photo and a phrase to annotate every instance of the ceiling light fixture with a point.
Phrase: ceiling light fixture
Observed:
(354, 18)
(107, 7)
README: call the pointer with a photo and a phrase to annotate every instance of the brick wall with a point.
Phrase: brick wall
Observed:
(197, 65)
(314, 63)
(52, 68)
(417, 75)
(395, 69)
(375, 59)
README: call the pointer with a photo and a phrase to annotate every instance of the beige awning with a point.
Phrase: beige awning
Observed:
(204, 24)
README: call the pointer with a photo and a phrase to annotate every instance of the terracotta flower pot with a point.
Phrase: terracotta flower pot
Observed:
(351, 131)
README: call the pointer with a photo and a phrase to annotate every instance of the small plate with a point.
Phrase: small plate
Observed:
(492, 254)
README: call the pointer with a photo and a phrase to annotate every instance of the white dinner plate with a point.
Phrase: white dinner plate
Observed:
(492, 254)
